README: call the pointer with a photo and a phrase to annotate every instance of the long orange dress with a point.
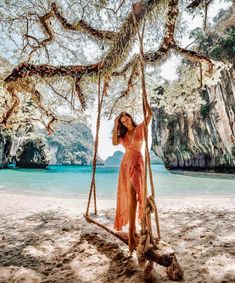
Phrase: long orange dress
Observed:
(131, 170)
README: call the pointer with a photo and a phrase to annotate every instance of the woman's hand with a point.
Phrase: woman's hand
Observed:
(116, 120)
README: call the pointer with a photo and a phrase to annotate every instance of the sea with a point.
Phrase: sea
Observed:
(74, 182)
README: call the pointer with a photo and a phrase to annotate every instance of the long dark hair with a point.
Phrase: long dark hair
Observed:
(121, 130)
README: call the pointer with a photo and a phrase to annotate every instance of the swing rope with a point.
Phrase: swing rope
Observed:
(93, 183)
(146, 234)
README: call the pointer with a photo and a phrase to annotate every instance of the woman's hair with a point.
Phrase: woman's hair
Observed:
(121, 130)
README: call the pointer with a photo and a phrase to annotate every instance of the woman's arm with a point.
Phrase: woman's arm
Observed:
(149, 113)
(115, 139)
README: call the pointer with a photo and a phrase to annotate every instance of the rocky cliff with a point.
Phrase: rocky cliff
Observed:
(115, 159)
(32, 152)
(23, 148)
(196, 131)
(5, 147)
(71, 144)
(194, 117)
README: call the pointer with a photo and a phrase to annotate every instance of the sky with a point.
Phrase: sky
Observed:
(168, 71)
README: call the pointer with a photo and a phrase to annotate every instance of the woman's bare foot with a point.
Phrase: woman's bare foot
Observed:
(131, 244)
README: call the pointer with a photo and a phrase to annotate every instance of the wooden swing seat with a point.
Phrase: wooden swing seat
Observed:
(163, 255)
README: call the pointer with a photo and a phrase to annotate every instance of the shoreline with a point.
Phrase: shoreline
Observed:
(84, 197)
(12, 202)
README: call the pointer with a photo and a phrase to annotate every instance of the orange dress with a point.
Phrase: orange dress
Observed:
(131, 170)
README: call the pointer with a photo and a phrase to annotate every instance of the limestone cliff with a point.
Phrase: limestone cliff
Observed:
(115, 159)
(196, 131)
(5, 147)
(71, 144)
(32, 152)
(194, 117)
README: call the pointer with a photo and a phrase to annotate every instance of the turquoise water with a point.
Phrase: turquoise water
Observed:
(74, 181)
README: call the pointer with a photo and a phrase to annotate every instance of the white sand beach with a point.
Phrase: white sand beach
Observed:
(45, 239)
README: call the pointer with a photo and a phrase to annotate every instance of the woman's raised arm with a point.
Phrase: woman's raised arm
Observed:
(149, 113)
(115, 132)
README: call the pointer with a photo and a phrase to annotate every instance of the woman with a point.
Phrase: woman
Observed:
(131, 173)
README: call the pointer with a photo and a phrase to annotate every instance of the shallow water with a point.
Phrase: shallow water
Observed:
(74, 181)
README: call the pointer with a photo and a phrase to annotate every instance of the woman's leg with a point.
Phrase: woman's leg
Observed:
(132, 216)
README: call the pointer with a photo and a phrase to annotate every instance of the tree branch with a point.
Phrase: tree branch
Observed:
(79, 93)
(124, 93)
(110, 9)
(59, 94)
(82, 26)
(167, 42)
(15, 103)
(117, 52)
(194, 56)
(49, 113)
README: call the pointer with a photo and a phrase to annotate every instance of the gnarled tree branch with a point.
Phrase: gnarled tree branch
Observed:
(82, 26)
(124, 93)
(116, 54)
(37, 99)
(194, 56)
(166, 44)
(13, 107)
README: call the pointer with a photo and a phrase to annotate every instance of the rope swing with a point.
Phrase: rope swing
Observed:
(150, 249)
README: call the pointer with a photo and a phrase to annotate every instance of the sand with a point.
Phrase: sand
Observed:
(45, 239)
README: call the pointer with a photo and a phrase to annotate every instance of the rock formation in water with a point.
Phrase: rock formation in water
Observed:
(194, 118)
(115, 159)
(72, 144)
(196, 131)
(22, 147)
(32, 152)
